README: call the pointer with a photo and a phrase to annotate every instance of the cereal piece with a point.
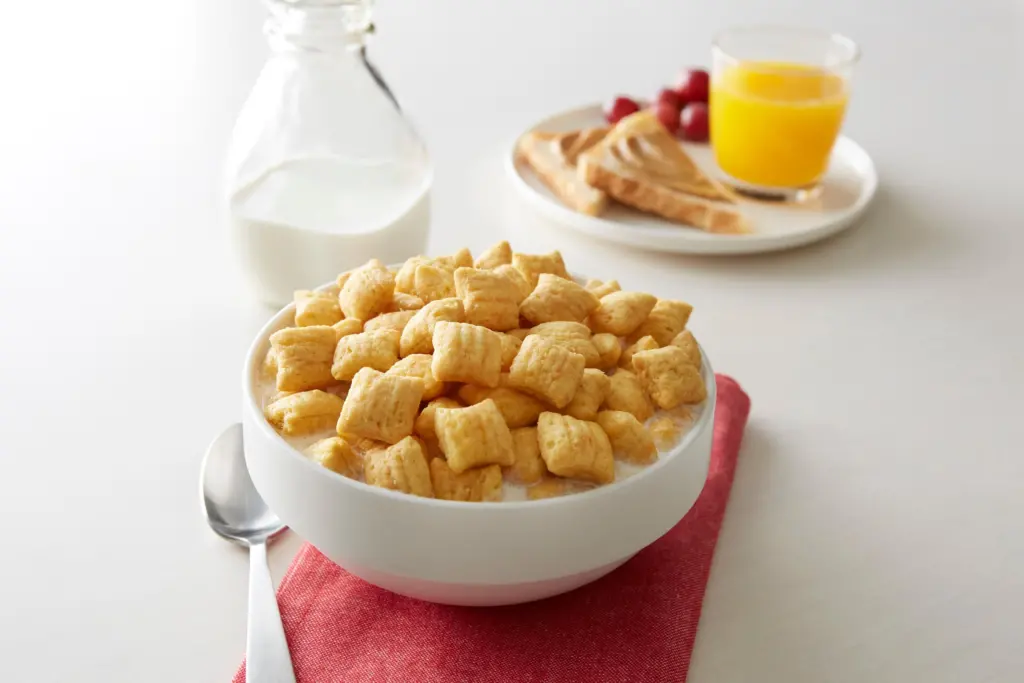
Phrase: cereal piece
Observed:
(377, 350)
(401, 467)
(529, 467)
(630, 440)
(460, 259)
(688, 344)
(609, 349)
(626, 394)
(518, 409)
(489, 299)
(466, 353)
(268, 368)
(476, 485)
(432, 283)
(361, 445)
(575, 448)
(473, 436)
(519, 333)
(304, 413)
(418, 365)
(405, 279)
(602, 289)
(573, 336)
(389, 321)
(669, 377)
(424, 425)
(547, 370)
(498, 255)
(665, 432)
(316, 308)
(337, 455)
(532, 265)
(667, 319)
(380, 407)
(620, 313)
(418, 335)
(549, 487)
(367, 291)
(344, 328)
(523, 285)
(509, 348)
(304, 357)
(643, 344)
(400, 301)
(589, 396)
(555, 298)
(339, 283)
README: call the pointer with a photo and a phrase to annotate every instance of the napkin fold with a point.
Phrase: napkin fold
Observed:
(635, 625)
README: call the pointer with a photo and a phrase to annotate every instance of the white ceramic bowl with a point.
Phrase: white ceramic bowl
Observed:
(469, 553)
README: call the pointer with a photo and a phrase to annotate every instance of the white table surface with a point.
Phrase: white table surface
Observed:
(876, 526)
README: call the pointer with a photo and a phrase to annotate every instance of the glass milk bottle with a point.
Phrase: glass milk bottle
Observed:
(323, 171)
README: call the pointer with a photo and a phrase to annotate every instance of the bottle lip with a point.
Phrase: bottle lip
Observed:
(318, 25)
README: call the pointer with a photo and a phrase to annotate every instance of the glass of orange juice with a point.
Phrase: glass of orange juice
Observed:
(777, 100)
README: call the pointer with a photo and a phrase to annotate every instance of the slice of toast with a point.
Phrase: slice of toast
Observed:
(553, 156)
(641, 164)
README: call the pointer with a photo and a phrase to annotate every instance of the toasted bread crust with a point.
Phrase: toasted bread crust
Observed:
(537, 150)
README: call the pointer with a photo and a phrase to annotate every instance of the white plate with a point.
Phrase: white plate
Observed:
(848, 187)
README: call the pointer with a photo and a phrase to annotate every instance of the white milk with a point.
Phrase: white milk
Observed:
(303, 221)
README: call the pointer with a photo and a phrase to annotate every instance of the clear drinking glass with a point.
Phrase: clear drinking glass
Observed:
(777, 101)
(323, 170)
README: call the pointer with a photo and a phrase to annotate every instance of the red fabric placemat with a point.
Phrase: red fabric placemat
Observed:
(635, 625)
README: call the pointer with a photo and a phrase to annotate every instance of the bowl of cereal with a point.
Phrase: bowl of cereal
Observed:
(478, 432)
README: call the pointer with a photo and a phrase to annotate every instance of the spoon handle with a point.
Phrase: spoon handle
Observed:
(266, 650)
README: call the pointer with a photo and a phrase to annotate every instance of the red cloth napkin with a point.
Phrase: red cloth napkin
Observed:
(634, 625)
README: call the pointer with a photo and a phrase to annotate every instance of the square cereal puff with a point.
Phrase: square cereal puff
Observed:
(401, 467)
(431, 283)
(555, 298)
(665, 431)
(316, 308)
(480, 484)
(367, 291)
(345, 327)
(380, 407)
(463, 258)
(489, 299)
(418, 365)
(303, 356)
(529, 467)
(377, 350)
(630, 440)
(669, 378)
(474, 436)
(667, 319)
(466, 353)
(304, 413)
(626, 393)
(396, 320)
(418, 335)
(688, 344)
(518, 409)
(575, 448)
(509, 349)
(589, 396)
(424, 425)
(547, 370)
(573, 336)
(268, 368)
(602, 289)
(405, 278)
(400, 301)
(337, 455)
(532, 265)
(608, 348)
(643, 344)
(620, 313)
(523, 286)
(498, 255)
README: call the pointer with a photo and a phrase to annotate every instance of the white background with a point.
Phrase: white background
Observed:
(876, 528)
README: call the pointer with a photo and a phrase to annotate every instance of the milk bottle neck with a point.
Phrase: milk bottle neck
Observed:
(318, 25)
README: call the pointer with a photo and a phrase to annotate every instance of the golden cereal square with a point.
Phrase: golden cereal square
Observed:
(509, 349)
(589, 396)
(268, 369)
(367, 291)
(529, 467)
(396, 320)
(401, 467)
(337, 455)
(522, 285)
(688, 344)
(480, 484)
(630, 440)
(573, 336)
(609, 349)
(316, 308)
(377, 350)
(555, 298)
(547, 371)
(405, 279)
(432, 283)
(489, 299)
(401, 301)
(626, 394)
(602, 289)
(474, 436)
(667, 319)
(344, 328)
(418, 365)
(533, 265)
(498, 255)
(643, 344)
(424, 425)
(460, 259)
(418, 335)
(665, 432)
(577, 449)
(304, 413)
(620, 313)
(669, 378)
(380, 407)
(466, 353)
(518, 409)
(304, 357)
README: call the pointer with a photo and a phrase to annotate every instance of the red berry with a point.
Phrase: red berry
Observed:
(693, 122)
(620, 108)
(670, 97)
(668, 115)
(693, 86)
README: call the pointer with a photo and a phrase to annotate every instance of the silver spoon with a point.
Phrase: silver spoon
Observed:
(236, 512)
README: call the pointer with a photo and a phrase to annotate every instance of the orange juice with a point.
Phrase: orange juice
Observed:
(773, 124)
